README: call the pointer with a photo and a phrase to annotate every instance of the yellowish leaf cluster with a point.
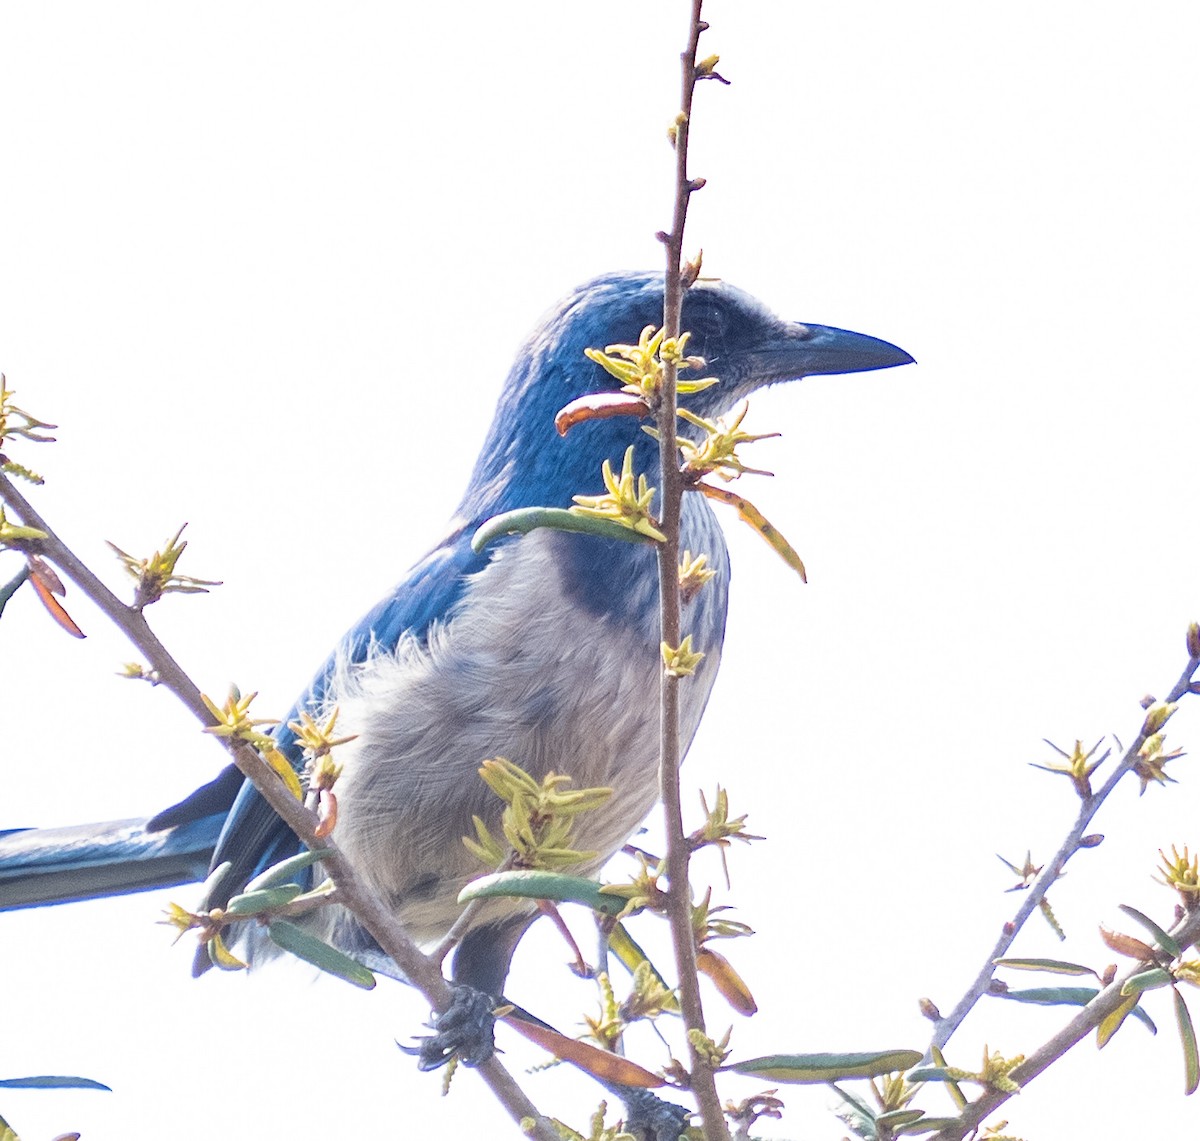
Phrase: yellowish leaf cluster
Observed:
(1152, 760)
(628, 500)
(640, 367)
(994, 1073)
(536, 824)
(318, 742)
(717, 450)
(681, 660)
(155, 576)
(13, 534)
(1181, 871)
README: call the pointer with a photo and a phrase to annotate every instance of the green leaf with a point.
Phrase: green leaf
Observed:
(860, 1116)
(1050, 995)
(10, 588)
(930, 1074)
(282, 872)
(1187, 1038)
(1165, 941)
(1111, 1022)
(320, 954)
(527, 519)
(894, 1118)
(952, 1087)
(253, 902)
(543, 885)
(1147, 980)
(1067, 996)
(807, 1068)
(927, 1125)
(622, 944)
(47, 1081)
(324, 889)
(221, 956)
(1053, 966)
(859, 1105)
(217, 877)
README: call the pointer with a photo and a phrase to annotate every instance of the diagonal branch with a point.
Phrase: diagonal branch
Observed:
(424, 973)
(945, 1027)
(1104, 1004)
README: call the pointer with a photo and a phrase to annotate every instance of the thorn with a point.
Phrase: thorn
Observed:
(663, 237)
(696, 184)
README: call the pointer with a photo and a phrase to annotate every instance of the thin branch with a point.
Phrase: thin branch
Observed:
(677, 858)
(353, 894)
(945, 1027)
(1186, 932)
(466, 917)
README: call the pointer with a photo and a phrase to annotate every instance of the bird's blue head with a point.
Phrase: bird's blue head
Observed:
(524, 462)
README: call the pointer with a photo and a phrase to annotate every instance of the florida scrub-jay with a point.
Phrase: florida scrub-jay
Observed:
(543, 649)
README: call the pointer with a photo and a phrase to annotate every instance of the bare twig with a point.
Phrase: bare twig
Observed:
(677, 859)
(353, 894)
(945, 1027)
(462, 924)
(1107, 1001)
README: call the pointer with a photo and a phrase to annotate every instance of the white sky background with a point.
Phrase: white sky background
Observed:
(266, 266)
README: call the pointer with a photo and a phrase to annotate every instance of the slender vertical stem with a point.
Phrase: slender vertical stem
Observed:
(671, 494)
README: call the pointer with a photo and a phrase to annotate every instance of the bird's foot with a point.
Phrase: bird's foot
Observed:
(465, 1029)
(651, 1118)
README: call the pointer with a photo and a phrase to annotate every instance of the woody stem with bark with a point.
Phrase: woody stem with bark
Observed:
(671, 495)
(353, 894)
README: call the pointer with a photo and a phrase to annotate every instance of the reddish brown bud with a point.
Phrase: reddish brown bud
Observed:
(598, 406)
(691, 270)
(1127, 945)
(1193, 640)
(327, 813)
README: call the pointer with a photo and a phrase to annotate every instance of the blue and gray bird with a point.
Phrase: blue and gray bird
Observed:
(543, 649)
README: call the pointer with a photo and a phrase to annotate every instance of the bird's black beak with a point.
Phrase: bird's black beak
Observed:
(794, 351)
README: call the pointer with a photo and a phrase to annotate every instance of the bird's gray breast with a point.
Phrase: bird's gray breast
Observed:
(519, 669)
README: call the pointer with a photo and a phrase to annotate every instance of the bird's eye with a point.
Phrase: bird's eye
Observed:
(705, 319)
(709, 325)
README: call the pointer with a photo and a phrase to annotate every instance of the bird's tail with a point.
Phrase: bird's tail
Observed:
(60, 865)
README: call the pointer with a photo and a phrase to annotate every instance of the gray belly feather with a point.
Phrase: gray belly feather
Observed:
(499, 678)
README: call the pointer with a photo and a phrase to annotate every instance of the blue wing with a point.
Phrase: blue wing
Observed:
(253, 836)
